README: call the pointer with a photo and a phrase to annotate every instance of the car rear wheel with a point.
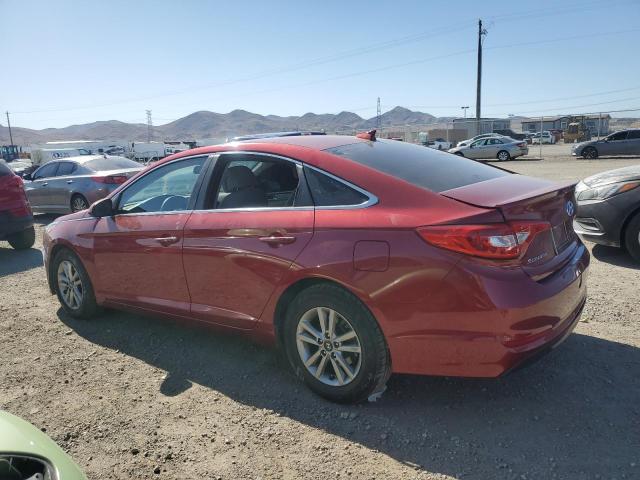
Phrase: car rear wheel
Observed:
(73, 286)
(78, 202)
(590, 153)
(22, 240)
(503, 155)
(335, 346)
(632, 237)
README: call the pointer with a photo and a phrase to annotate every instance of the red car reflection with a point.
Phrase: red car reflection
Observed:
(359, 257)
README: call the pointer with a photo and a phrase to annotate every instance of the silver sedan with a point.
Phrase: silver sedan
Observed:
(74, 183)
(493, 148)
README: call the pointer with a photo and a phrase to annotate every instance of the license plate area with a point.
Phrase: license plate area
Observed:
(562, 235)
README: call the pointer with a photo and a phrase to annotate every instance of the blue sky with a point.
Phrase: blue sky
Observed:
(67, 62)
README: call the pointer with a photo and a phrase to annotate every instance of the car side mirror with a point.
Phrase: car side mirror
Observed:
(102, 208)
(27, 176)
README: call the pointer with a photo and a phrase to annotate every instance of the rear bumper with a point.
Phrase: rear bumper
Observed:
(497, 323)
(10, 225)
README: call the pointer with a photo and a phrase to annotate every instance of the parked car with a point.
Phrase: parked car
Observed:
(304, 241)
(72, 184)
(609, 209)
(26, 453)
(439, 144)
(547, 137)
(16, 219)
(500, 148)
(511, 134)
(624, 142)
(469, 141)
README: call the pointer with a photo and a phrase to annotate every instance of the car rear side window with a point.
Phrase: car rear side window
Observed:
(420, 166)
(327, 191)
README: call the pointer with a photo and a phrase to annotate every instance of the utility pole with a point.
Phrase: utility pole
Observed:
(481, 32)
(378, 115)
(464, 109)
(9, 125)
(149, 125)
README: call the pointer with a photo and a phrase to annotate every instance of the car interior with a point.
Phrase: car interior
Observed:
(17, 467)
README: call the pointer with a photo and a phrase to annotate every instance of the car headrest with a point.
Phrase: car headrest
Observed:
(238, 178)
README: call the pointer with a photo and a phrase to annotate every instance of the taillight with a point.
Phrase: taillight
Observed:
(521, 145)
(498, 241)
(111, 179)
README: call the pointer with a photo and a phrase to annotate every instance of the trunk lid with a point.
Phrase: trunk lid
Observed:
(522, 198)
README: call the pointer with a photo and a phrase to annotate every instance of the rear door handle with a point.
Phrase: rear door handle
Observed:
(44, 184)
(275, 240)
(166, 241)
(69, 181)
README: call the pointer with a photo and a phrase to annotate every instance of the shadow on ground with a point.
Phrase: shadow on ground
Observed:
(16, 261)
(615, 256)
(574, 414)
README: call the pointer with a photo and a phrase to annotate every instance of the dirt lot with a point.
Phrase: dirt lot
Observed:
(126, 395)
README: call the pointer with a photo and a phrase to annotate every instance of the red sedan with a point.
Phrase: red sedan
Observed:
(359, 257)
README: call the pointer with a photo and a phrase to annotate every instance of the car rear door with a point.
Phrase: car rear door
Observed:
(59, 186)
(615, 144)
(254, 220)
(138, 251)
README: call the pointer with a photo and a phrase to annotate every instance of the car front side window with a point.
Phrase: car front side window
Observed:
(46, 171)
(617, 136)
(165, 189)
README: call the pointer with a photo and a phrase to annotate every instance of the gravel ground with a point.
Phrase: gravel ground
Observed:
(142, 397)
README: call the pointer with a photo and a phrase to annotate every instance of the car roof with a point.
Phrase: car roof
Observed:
(84, 158)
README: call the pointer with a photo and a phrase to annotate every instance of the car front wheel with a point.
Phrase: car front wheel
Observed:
(73, 286)
(590, 153)
(632, 237)
(335, 346)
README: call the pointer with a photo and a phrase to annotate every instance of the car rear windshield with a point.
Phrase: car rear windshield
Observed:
(421, 166)
(111, 163)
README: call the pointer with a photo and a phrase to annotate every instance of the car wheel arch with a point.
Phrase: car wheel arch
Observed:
(625, 225)
(55, 251)
(296, 287)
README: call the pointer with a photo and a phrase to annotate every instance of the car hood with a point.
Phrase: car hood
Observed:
(18, 436)
(624, 174)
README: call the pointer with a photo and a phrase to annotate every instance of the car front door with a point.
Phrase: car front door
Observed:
(38, 190)
(615, 144)
(633, 142)
(255, 219)
(138, 250)
(476, 149)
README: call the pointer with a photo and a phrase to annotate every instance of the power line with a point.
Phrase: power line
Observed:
(569, 9)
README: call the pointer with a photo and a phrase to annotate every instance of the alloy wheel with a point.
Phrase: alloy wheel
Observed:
(328, 346)
(79, 203)
(70, 285)
(503, 156)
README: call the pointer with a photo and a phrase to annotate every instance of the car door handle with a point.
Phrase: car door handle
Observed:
(44, 184)
(69, 181)
(166, 241)
(275, 240)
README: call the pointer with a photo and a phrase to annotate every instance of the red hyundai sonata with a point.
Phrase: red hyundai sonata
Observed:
(359, 257)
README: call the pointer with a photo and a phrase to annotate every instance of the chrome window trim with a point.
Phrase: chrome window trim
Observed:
(372, 199)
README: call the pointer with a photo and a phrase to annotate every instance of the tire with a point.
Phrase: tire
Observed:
(22, 240)
(370, 367)
(82, 304)
(78, 203)
(632, 237)
(590, 153)
(503, 156)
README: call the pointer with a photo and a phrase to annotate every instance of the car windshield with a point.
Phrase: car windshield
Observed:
(420, 166)
(111, 163)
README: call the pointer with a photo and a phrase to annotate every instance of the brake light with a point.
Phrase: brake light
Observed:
(111, 179)
(521, 145)
(504, 241)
